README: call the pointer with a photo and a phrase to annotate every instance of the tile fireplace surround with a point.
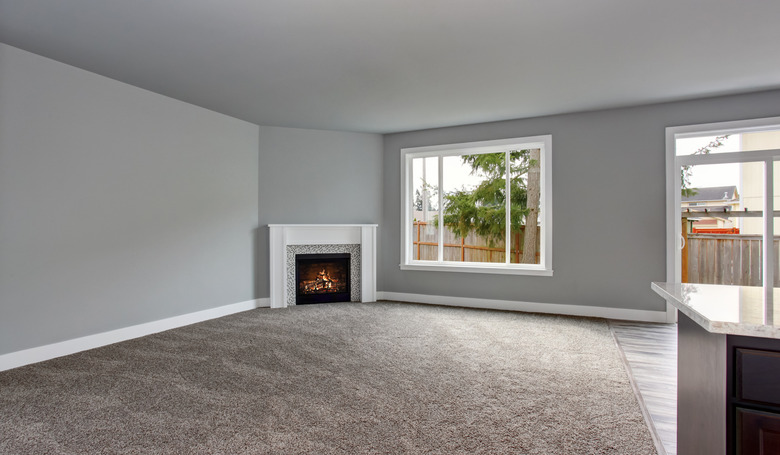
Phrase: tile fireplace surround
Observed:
(286, 240)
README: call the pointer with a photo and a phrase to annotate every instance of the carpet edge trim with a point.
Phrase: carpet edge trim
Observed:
(72, 346)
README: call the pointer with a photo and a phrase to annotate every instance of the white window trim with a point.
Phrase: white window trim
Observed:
(673, 186)
(544, 268)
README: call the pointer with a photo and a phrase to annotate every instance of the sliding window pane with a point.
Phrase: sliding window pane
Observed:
(708, 144)
(726, 143)
(425, 208)
(722, 209)
(759, 140)
(525, 207)
(474, 208)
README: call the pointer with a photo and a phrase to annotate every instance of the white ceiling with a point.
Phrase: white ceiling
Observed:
(396, 65)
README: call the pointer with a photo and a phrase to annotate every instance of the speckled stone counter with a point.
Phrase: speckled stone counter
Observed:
(728, 368)
(731, 310)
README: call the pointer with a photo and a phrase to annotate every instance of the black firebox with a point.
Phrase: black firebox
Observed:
(322, 278)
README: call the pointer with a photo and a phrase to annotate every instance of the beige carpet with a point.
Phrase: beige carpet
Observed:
(335, 378)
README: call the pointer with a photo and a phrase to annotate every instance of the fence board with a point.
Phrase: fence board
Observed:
(746, 262)
(703, 260)
(711, 266)
(777, 269)
(755, 264)
(429, 253)
(472, 248)
(728, 259)
(740, 263)
(693, 260)
(719, 272)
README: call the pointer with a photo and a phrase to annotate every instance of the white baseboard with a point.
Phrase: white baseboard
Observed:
(51, 351)
(529, 307)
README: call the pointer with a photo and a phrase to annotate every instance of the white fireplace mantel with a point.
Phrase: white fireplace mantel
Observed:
(282, 235)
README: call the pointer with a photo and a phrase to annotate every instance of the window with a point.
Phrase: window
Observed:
(734, 165)
(482, 207)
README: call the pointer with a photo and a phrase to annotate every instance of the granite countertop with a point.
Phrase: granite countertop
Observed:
(731, 310)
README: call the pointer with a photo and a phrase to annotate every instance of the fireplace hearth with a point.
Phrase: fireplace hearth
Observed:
(322, 278)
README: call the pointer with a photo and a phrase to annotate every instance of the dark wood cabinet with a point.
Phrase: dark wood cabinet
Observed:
(757, 374)
(757, 432)
(754, 395)
(728, 393)
(728, 368)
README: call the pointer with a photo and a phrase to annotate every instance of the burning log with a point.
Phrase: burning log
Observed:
(323, 282)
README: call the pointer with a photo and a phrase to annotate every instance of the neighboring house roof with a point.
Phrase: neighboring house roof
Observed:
(713, 193)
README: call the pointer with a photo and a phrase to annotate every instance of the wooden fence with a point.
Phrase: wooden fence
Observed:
(727, 259)
(471, 248)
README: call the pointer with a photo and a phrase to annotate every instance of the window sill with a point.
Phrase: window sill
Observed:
(499, 269)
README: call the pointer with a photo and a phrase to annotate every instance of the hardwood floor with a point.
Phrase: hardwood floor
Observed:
(650, 352)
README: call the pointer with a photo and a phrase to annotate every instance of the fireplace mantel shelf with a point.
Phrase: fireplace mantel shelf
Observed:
(284, 235)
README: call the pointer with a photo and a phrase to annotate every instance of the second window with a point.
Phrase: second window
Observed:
(478, 206)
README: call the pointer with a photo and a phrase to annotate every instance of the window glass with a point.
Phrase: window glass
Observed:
(727, 143)
(425, 208)
(722, 209)
(708, 144)
(474, 208)
(525, 206)
(477, 206)
(761, 140)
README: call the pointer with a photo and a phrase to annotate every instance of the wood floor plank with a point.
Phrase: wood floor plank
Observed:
(650, 351)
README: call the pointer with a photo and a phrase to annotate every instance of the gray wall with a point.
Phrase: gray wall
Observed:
(117, 206)
(608, 203)
(313, 176)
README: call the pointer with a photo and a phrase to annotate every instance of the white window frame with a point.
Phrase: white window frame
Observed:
(673, 187)
(543, 143)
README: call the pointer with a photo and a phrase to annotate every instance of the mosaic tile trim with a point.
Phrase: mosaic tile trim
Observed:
(354, 265)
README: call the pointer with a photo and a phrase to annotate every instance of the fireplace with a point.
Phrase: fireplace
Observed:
(321, 278)
(289, 240)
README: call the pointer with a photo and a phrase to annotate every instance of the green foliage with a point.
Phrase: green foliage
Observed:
(686, 172)
(483, 209)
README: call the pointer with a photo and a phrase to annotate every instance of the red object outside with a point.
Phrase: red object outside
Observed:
(715, 231)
